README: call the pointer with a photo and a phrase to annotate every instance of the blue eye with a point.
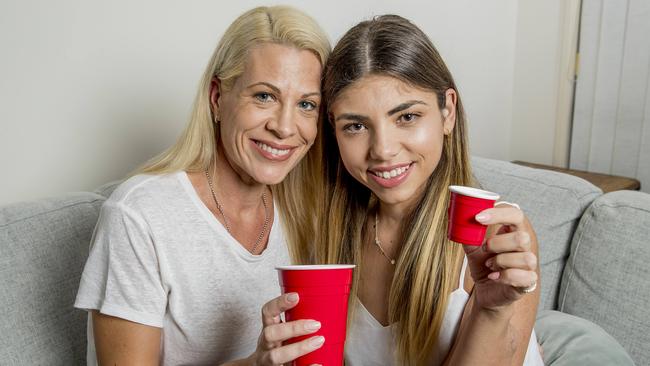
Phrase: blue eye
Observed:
(307, 105)
(264, 97)
(354, 128)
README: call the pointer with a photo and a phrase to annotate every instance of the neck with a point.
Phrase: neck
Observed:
(238, 190)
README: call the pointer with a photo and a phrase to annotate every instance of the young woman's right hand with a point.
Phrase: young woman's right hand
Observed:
(270, 350)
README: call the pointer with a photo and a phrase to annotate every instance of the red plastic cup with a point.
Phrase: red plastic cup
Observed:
(464, 204)
(324, 292)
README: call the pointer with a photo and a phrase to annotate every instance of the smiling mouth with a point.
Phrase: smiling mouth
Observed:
(271, 150)
(388, 174)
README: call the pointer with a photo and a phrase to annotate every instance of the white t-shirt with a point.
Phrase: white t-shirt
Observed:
(369, 343)
(159, 257)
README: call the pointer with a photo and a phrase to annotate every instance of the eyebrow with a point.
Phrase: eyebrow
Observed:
(351, 116)
(399, 108)
(404, 106)
(277, 90)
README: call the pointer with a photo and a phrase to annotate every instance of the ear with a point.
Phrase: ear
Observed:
(449, 111)
(215, 97)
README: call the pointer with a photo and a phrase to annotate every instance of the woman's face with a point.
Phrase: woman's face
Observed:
(390, 135)
(268, 120)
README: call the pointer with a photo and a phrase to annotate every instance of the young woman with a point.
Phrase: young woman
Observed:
(183, 256)
(394, 141)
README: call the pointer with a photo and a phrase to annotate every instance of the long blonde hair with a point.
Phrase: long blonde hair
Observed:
(426, 271)
(195, 149)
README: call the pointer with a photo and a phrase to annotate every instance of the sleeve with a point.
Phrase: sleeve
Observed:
(122, 274)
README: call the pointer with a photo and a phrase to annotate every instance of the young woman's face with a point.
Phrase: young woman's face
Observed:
(390, 135)
(268, 120)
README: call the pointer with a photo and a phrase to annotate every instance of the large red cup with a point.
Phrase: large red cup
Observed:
(464, 204)
(323, 292)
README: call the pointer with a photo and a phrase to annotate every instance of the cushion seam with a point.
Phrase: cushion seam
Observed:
(620, 205)
(574, 255)
(51, 211)
(573, 193)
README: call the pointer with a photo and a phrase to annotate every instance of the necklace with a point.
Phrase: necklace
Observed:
(225, 219)
(378, 243)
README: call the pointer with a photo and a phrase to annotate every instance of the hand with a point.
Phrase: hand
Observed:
(506, 263)
(270, 350)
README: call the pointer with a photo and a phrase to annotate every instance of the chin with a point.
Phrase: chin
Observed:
(393, 197)
(272, 177)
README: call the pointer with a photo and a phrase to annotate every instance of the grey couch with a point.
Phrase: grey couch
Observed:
(594, 257)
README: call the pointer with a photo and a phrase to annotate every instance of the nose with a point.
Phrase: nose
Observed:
(383, 144)
(283, 123)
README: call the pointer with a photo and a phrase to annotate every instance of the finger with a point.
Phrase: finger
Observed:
(526, 261)
(516, 241)
(283, 331)
(271, 310)
(504, 215)
(292, 351)
(514, 277)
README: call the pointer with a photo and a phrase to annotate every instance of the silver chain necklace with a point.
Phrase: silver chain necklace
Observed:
(225, 219)
(378, 243)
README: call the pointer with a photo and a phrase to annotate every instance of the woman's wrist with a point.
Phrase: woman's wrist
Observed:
(501, 313)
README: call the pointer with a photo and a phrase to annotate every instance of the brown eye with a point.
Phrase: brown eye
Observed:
(408, 117)
(354, 128)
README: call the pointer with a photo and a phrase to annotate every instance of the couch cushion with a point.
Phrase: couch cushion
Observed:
(554, 202)
(607, 279)
(43, 248)
(568, 340)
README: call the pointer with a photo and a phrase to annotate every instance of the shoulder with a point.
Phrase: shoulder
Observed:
(145, 190)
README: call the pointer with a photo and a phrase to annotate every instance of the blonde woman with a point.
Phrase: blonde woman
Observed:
(394, 140)
(183, 256)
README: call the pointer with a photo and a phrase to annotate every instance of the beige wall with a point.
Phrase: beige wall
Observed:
(90, 89)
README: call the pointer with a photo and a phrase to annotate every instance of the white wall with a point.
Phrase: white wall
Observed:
(91, 89)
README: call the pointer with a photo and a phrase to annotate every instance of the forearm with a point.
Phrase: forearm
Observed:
(486, 337)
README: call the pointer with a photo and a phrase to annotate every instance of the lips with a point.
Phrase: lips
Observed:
(392, 176)
(273, 151)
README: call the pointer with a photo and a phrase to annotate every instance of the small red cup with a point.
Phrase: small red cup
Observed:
(464, 204)
(323, 292)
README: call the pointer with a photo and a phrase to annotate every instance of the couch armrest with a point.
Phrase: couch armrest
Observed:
(607, 276)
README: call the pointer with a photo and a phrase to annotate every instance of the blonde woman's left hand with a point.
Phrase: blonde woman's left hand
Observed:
(504, 268)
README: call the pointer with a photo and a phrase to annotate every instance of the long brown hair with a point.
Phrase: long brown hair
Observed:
(425, 272)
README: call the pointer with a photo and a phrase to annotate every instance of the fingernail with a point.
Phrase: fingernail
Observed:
(489, 262)
(317, 342)
(312, 325)
(482, 217)
(292, 297)
(494, 275)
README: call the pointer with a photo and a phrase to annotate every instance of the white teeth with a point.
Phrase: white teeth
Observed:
(391, 174)
(271, 150)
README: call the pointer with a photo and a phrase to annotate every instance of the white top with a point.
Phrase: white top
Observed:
(159, 257)
(369, 343)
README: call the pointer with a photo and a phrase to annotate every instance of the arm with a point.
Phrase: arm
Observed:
(122, 342)
(499, 318)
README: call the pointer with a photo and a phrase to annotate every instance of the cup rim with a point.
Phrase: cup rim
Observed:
(474, 192)
(314, 267)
